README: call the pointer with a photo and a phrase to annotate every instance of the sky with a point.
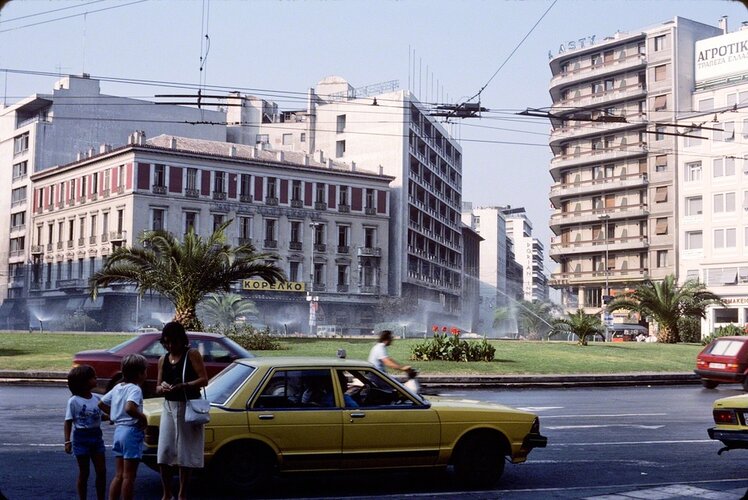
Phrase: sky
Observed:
(454, 48)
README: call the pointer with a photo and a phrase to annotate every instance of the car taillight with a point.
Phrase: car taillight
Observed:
(725, 417)
(701, 362)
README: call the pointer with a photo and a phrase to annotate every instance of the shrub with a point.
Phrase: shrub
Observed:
(445, 347)
(689, 328)
(251, 338)
(723, 331)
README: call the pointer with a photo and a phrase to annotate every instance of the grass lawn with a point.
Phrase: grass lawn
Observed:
(35, 351)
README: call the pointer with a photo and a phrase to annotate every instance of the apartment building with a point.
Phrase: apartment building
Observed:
(386, 127)
(529, 253)
(72, 121)
(614, 152)
(713, 178)
(328, 221)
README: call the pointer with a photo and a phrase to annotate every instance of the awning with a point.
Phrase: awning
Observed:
(93, 305)
(75, 304)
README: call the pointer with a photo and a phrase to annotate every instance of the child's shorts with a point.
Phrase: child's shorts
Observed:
(87, 442)
(128, 442)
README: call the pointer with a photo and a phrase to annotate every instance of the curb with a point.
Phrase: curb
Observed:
(15, 377)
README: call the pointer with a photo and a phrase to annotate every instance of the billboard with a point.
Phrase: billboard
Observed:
(721, 56)
(264, 286)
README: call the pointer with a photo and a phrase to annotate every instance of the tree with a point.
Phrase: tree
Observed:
(222, 309)
(534, 317)
(185, 272)
(500, 315)
(579, 323)
(665, 301)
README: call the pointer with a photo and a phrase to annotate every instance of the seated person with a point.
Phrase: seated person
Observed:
(317, 393)
(348, 400)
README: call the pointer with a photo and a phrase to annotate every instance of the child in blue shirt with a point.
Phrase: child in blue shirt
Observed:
(124, 403)
(83, 420)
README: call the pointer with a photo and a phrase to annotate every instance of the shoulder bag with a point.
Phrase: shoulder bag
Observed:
(196, 411)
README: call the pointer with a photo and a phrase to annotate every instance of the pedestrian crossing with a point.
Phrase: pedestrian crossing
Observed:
(674, 491)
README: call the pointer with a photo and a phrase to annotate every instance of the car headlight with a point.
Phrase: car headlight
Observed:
(726, 417)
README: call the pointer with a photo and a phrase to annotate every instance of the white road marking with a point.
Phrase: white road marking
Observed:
(540, 408)
(635, 443)
(613, 415)
(599, 426)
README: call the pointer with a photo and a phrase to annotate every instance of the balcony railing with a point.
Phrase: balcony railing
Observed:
(37, 249)
(70, 243)
(343, 288)
(105, 193)
(72, 283)
(618, 182)
(49, 247)
(370, 211)
(319, 287)
(320, 247)
(270, 243)
(245, 241)
(369, 251)
(269, 200)
(596, 276)
(295, 245)
(120, 189)
(104, 237)
(219, 195)
(81, 242)
(117, 236)
(91, 240)
(343, 208)
(157, 189)
(297, 203)
(245, 198)
(320, 205)
(370, 289)
(19, 227)
(344, 249)
(192, 193)
(59, 245)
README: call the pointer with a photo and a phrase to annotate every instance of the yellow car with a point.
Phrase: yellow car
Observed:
(731, 416)
(273, 415)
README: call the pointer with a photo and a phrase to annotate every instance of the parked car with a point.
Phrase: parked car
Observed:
(731, 418)
(264, 408)
(724, 360)
(218, 352)
(625, 332)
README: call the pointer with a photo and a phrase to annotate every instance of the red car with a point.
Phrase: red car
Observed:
(218, 352)
(724, 360)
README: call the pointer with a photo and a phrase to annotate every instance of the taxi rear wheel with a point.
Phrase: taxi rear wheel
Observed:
(479, 461)
(709, 384)
(244, 467)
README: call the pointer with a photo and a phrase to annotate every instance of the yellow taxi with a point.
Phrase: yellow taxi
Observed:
(731, 418)
(271, 415)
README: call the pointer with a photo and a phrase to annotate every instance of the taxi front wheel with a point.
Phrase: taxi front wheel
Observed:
(243, 468)
(479, 462)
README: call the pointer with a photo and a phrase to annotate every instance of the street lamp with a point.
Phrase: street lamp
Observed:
(310, 297)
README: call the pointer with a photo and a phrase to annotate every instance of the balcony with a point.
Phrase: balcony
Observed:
(597, 246)
(369, 252)
(319, 287)
(104, 237)
(17, 253)
(117, 236)
(598, 155)
(295, 245)
(49, 247)
(59, 245)
(17, 203)
(369, 289)
(270, 200)
(320, 205)
(72, 284)
(342, 288)
(192, 193)
(120, 189)
(588, 72)
(71, 202)
(270, 243)
(297, 203)
(92, 240)
(157, 189)
(370, 211)
(320, 247)
(81, 200)
(70, 243)
(343, 208)
(219, 195)
(596, 277)
(589, 128)
(245, 198)
(37, 249)
(81, 242)
(628, 92)
(603, 184)
(105, 193)
(19, 227)
(344, 249)
(592, 215)
(245, 241)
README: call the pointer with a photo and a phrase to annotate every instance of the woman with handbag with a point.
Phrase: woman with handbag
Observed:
(181, 374)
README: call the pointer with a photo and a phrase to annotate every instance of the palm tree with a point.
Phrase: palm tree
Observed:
(500, 315)
(185, 272)
(222, 309)
(535, 317)
(666, 301)
(579, 323)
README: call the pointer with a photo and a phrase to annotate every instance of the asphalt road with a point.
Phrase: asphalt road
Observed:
(648, 442)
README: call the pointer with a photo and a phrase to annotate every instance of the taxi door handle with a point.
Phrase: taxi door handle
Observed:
(358, 415)
(267, 416)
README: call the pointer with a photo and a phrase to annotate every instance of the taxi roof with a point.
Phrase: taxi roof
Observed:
(309, 361)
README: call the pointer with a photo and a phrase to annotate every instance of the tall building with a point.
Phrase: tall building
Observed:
(529, 253)
(73, 121)
(332, 240)
(382, 126)
(713, 178)
(614, 147)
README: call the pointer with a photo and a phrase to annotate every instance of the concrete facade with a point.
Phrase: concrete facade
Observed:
(311, 214)
(529, 253)
(74, 120)
(614, 181)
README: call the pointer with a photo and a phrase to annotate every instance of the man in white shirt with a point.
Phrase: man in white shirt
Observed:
(379, 357)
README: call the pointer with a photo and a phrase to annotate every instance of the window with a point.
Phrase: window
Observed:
(660, 103)
(245, 228)
(694, 205)
(157, 219)
(343, 236)
(319, 273)
(339, 149)
(302, 138)
(190, 222)
(159, 176)
(718, 168)
(661, 194)
(340, 124)
(120, 176)
(296, 191)
(271, 186)
(287, 139)
(694, 240)
(597, 87)
(641, 48)
(343, 195)
(659, 133)
(596, 59)
(18, 196)
(661, 163)
(596, 144)
(191, 179)
(609, 84)
(219, 181)
(319, 192)
(84, 181)
(369, 199)
(745, 128)
(732, 99)
(218, 219)
(319, 234)
(662, 258)
(729, 131)
(724, 202)
(120, 220)
(270, 230)
(262, 139)
(19, 170)
(706, 104)
(661, 225)
(17, 220)
(104, 224)
(725, 238)
(342, 274)
(729, 166)
(693, 171)
(94, 226)
(245, 186)
(660, 73)
(95, 183)
(21, 144)
(293, 271)
(659, 43)
(370, 237)
(295, 231)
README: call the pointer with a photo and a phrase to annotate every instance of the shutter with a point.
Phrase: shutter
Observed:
(232, 185)
(258, 188)
(661, 194)
(205, 182)
(128, 177)
(356, 199)
(308, 193)
(661, 227)
(381, 202)
(283, 191)
(332, 201)
(175, 179)
(144, 176)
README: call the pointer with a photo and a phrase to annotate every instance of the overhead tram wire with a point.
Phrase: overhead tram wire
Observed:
(117, 6)
(77, 6)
